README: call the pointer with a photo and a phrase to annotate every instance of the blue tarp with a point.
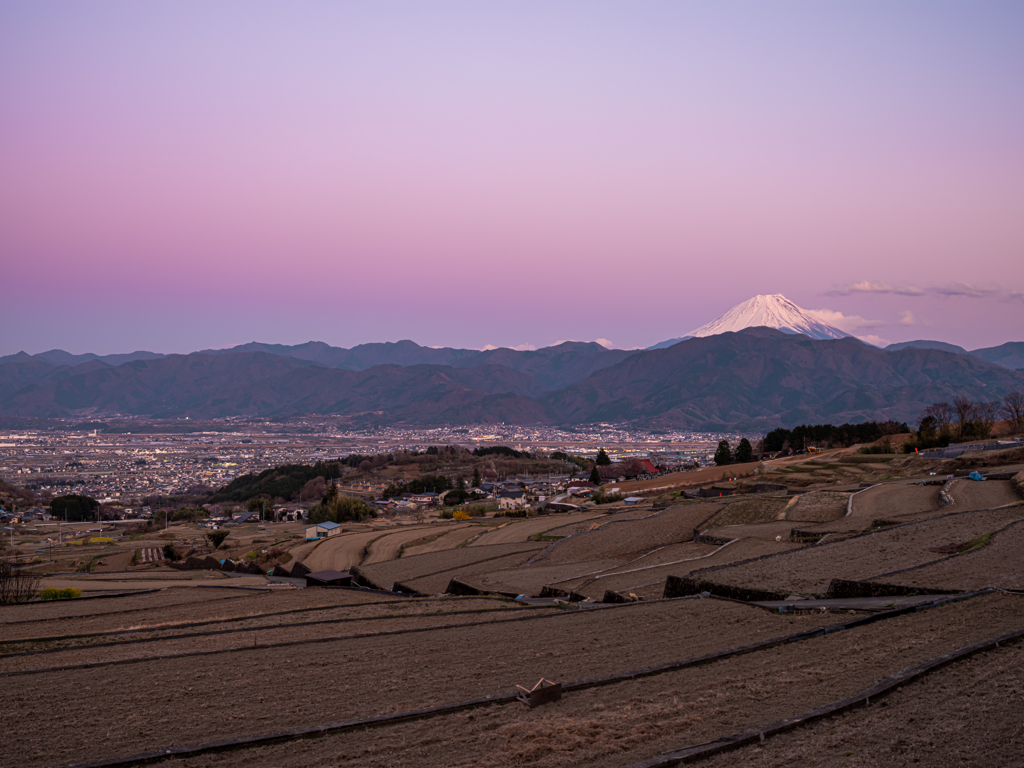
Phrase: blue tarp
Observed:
(976, 476)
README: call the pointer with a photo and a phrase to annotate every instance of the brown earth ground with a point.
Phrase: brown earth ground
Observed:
(967, 714)
(621, 724)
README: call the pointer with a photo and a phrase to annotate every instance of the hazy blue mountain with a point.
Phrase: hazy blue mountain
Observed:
(1009, 355)
(925, 344)
(757, 378)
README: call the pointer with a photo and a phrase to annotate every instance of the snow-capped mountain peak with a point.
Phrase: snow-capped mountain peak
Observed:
(773, 311)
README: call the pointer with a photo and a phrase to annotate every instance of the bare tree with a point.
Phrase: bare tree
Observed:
(17, 585)
(985, 417)
(1013, 410)
(941, 412)
(965, 413)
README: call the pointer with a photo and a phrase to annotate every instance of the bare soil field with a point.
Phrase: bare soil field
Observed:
(620, 724)
(438, 583)
(606, 514)
(389, 545)
(760, 509)
(984, 494)
(626, 536)
(522, 530)
(92, 586)
(65, 610)
(411, 569)
(818, 507)
(345, 550)
(967, 714)
(654, 577)
(764, 531)
(809, 570)
(245, 636)
(532, 579)
(183, 700)
(443, 540)
(890, 501)
(1000, 563)
(240, 606)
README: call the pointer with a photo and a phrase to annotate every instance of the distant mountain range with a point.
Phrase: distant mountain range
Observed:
(1008, 355)
(757, 378)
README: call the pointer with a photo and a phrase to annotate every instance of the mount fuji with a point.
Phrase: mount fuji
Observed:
(772, 311)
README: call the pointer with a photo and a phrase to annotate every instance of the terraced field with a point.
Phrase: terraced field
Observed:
(202, 657)
(809, 570)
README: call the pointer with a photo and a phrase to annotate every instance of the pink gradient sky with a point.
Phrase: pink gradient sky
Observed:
(175, 176)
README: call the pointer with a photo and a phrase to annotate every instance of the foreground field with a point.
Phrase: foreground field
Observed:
(195, 658)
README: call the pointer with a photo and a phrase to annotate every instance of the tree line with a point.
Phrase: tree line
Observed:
(964, 420)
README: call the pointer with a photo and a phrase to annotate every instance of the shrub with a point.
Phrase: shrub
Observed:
(340, 509)
(169, 552)
(446, 514)
(600, 497)
(52, 593)
(217, 537)
(16, 584)
(460, 515)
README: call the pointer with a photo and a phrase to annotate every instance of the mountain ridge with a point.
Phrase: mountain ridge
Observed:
(756, 378)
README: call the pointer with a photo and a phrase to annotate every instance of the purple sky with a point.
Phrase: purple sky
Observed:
(182, 175)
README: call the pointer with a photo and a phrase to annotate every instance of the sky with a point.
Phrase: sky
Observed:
(184, 175)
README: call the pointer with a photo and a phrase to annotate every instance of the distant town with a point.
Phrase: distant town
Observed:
(124, 468)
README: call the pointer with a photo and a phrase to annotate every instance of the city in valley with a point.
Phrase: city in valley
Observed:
(143, 459)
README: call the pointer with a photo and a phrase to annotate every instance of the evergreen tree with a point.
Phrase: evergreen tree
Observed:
(595, 476)
(744, 452)
(722, 456)
(602, 458)
(476, 477)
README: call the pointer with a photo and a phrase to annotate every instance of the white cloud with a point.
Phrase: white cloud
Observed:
(907, 318)
(848, 323)
(868, 286)
(605, 343)
(488, 347)
(965, 289)
(878, 341)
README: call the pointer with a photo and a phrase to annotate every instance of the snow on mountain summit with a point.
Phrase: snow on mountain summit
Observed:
(773, 311)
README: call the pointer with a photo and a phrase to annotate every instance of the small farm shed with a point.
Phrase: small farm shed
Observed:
(322, 531)
(328, 579)
(633, 500)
